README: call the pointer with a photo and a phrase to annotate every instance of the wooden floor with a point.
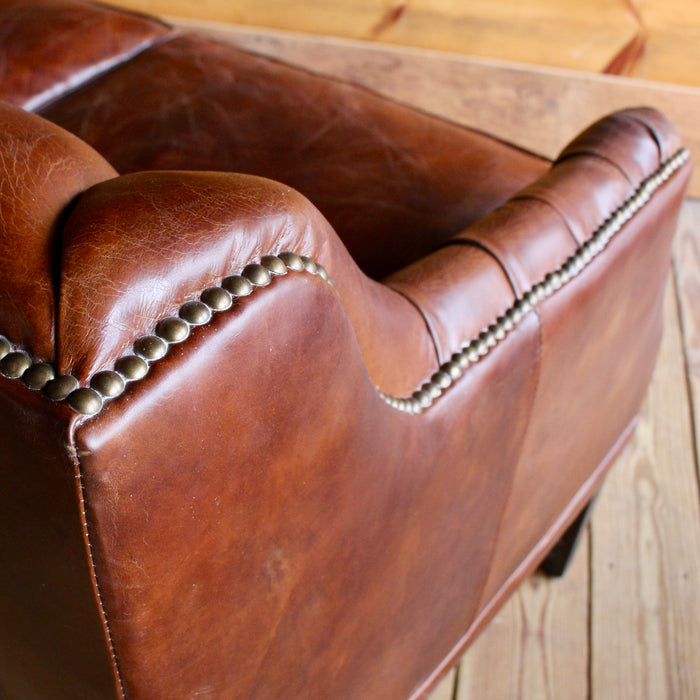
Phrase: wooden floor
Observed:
(652, 39)
(624, 622)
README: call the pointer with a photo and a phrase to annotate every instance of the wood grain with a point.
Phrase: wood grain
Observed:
(652, 39)
(583, 37)
(645, 549)
(538, 109)
(446, 688)
(687, 274)
(537, 645)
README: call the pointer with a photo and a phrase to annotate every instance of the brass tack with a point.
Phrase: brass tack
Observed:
(442, 379)
(85, 401)
(257, 275)
(309, 264)
(423, 398)
(196, 313)
(150, 347)
(15, 364)
(131, 367)
(461, 359)
(554, 278)
(497, 330)
(524, 304)
(237, 286)
(453, 369)
(109, 384)
(292, 261)
(487, 337)
(531, 298)
(274, 264)
(38, 375)
(57, 389)
(505, 322)
(433, 390)
(216, 298)
(5, 346)
(514, 314)
(472, 351)
(173, 329)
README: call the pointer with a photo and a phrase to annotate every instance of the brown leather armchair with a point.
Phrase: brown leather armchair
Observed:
(298, 432)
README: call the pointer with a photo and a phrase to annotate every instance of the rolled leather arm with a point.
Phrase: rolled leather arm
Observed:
(547, 234)
(139, 248)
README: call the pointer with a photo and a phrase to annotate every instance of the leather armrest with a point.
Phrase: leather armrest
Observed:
(546, 229)
(136, 248)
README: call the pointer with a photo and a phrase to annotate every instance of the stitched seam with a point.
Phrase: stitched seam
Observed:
(91, 561)
(16, 364)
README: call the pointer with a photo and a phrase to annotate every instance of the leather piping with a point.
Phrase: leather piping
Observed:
(471, 351)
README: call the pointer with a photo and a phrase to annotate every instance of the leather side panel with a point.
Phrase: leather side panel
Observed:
(52, 643)
(601, 334)
(265, 526)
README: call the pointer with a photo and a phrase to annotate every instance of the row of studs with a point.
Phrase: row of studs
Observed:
(473, 350)
(108, 384)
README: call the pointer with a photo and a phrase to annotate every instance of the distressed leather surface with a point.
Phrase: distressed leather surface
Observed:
(50, 48)
(42, 170)
(258, 522)
(201, 228)
(393, 182)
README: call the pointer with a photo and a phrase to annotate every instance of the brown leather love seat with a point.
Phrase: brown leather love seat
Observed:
(297, 383)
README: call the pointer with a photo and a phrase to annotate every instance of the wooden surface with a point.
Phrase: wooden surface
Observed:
(539, 109)
(655, 39)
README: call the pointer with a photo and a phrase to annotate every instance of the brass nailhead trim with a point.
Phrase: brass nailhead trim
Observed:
(108, 384)
(472, 351)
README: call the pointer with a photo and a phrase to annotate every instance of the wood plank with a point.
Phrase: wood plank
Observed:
(585, 36)
(645, 549)
(540, 109)
(446, 687)
(537, 645)
(671, 55)
(687, 269)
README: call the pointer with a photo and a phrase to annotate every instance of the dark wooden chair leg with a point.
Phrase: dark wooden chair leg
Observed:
(557, 561)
